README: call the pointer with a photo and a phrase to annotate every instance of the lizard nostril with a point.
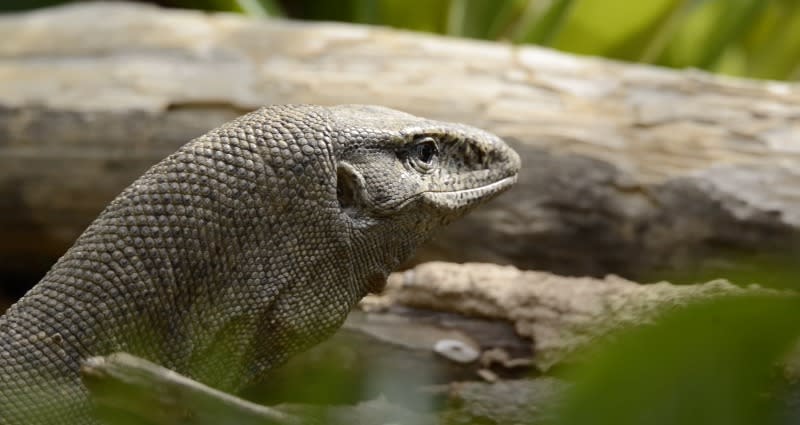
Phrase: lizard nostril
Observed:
(475, 157)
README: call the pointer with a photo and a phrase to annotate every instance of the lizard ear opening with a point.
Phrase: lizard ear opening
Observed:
(347, 189)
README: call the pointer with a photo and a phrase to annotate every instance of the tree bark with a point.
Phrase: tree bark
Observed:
(627, 168)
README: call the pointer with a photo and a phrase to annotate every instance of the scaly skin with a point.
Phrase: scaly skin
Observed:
(245, 246)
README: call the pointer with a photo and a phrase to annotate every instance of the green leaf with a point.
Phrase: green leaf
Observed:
(770, 268)
(774, 44)
(419, 15)
(366, 11)
(505, 18)
(478, 18)
(711, 362)
(712, 28)
(542, 21)
(686, 47)
(660, 33)
(597, 27)
(737, 17)
(260, 8)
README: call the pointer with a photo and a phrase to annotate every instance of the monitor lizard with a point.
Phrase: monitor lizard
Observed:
(247, 245)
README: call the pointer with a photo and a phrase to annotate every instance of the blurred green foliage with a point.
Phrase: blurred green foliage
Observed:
(767, 268)
(751, 38)
(713, 362)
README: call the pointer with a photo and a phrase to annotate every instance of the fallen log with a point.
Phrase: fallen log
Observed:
(128, 388)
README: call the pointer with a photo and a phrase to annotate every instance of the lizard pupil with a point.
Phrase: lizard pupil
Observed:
(426, 150)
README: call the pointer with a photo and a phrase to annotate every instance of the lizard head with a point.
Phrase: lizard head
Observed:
(405, 175)
(394, 162)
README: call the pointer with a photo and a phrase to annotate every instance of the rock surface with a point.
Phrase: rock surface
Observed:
(560, 315)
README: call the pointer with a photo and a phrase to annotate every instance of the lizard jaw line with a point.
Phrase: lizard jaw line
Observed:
(456, 199)
(498, 185)
(442, 197)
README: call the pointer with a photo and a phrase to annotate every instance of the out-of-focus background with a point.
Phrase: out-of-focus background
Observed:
(751, 38)
(655, 172)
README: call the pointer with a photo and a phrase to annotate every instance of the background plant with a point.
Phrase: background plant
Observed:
(751, 38)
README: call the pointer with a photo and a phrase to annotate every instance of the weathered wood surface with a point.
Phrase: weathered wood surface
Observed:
(627, 168)
(128, 390)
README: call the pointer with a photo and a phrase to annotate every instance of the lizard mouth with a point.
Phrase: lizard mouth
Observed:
(457, 199)
(453, 200)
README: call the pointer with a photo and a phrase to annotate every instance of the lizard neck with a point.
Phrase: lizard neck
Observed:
(380, 247)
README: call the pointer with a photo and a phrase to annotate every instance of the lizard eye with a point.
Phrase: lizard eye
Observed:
(424, 154)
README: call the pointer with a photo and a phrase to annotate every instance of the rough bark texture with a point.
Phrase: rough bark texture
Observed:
(627, 168)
